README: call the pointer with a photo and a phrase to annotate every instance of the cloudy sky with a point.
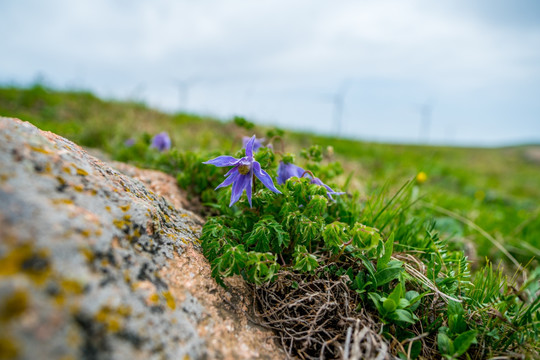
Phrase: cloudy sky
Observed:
(459, 72)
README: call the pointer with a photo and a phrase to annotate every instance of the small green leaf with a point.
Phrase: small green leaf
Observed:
(463, 341)
(414, 299)
(389, 305)
(397, 293)
(364, 237)
(446, 346)
(304, 261)
(386, 275)
(387, 253)
(403, 316)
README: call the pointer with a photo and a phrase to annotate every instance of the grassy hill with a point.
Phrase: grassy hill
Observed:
(466, 190)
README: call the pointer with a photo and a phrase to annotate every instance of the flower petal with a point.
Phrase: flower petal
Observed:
(249, 187)
(249, 147)
(228, 181)
(238, 188)
(286, 171)
(264, 177)
(222, 161)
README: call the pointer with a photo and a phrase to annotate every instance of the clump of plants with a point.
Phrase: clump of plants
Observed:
(340, 274)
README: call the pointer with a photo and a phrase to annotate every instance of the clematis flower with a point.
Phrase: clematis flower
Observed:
(286, 171)
(241, 175)
(256, 145)
(161, 141)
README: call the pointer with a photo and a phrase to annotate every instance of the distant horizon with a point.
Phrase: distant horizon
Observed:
(42, 81)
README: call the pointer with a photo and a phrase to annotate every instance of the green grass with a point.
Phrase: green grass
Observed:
(498, 189)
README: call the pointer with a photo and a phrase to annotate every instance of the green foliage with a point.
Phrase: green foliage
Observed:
(242, 122)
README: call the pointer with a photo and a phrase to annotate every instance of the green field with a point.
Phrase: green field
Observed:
(439, 244)
(498, 189)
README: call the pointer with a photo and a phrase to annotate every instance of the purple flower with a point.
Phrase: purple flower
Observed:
(241, 175)
(286, 171)
(129, 142)
(161, 141)
(256, 146)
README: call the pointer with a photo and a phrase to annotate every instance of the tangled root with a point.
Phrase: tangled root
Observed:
(316, 318)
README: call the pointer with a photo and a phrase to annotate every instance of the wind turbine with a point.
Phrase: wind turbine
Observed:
(338, 101)
(184, 86)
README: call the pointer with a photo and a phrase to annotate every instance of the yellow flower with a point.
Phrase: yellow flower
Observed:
(421, 177)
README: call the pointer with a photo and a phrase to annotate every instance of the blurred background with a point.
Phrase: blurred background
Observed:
(405, 71)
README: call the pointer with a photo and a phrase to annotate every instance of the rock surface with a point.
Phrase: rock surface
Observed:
(96, 264)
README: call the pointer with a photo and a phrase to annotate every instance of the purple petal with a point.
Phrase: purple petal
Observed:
(238, 188)
(256, 146)
(264, 177)
(228, 181)
(249, 147)
(161, 141)
(222, 161)
(286, 171)
(249, 187)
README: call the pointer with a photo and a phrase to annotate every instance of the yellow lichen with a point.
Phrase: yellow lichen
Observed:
(108, 208)
(81, 172)
(125, 208)
(85, 233)
(41, 150)
(154, 298)
(72, 286)
(119, 223)
(169, 299)
(13, 306)
(8, 348)
(27, 260)
(88, 254)
(62, 201)
(112, 318)
(78, 188)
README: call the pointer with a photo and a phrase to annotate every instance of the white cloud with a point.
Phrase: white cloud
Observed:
(292, 51)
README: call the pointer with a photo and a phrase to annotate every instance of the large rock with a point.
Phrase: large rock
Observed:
(95, 264)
